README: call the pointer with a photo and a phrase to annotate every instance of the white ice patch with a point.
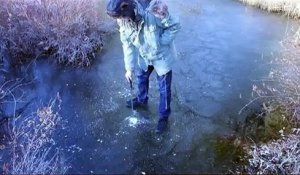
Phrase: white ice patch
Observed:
(134, 121)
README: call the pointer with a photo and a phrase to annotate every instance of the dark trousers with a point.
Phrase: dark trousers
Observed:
(164, 83)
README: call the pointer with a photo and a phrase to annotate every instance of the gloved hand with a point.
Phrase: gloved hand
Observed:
(129, 75)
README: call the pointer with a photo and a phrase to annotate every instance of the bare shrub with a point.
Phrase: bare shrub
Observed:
(284, 81)
(8, 95)
(34, 148)
(69, 30)
(282, 86)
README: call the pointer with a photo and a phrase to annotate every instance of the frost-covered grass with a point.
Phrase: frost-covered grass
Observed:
(69, 30)
(28, 142)
(277, 157)
(289, 7)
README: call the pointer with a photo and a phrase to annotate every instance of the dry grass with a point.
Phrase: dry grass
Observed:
(69, 30)
(289, 7)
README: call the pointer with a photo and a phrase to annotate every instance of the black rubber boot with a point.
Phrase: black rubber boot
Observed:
(162, 126)
(135, 103)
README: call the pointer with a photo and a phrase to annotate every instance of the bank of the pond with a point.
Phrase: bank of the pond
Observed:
(276, 139)
(275, 133)
(290, 8)
(266, 143)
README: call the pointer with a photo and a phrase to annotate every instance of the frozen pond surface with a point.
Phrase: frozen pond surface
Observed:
(223, 47)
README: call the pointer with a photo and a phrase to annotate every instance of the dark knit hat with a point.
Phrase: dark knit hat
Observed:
(121, 8)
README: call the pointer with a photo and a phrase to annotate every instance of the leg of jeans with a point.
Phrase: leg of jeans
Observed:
(164, 82)
(143, 83)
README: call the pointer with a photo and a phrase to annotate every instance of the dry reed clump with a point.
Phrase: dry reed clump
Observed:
(289, 7)
(34, 150)
(69, 30)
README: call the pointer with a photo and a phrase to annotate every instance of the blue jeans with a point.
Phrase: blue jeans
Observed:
(164, 83)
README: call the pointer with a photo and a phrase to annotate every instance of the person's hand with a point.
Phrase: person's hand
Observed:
(129, 75)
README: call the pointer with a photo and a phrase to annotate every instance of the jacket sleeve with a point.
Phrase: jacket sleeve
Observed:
(170, 26)
(129, 51)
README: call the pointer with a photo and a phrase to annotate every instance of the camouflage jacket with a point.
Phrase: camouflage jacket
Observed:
(150, 40)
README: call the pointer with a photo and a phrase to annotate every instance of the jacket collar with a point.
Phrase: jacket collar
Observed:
(139, 12)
